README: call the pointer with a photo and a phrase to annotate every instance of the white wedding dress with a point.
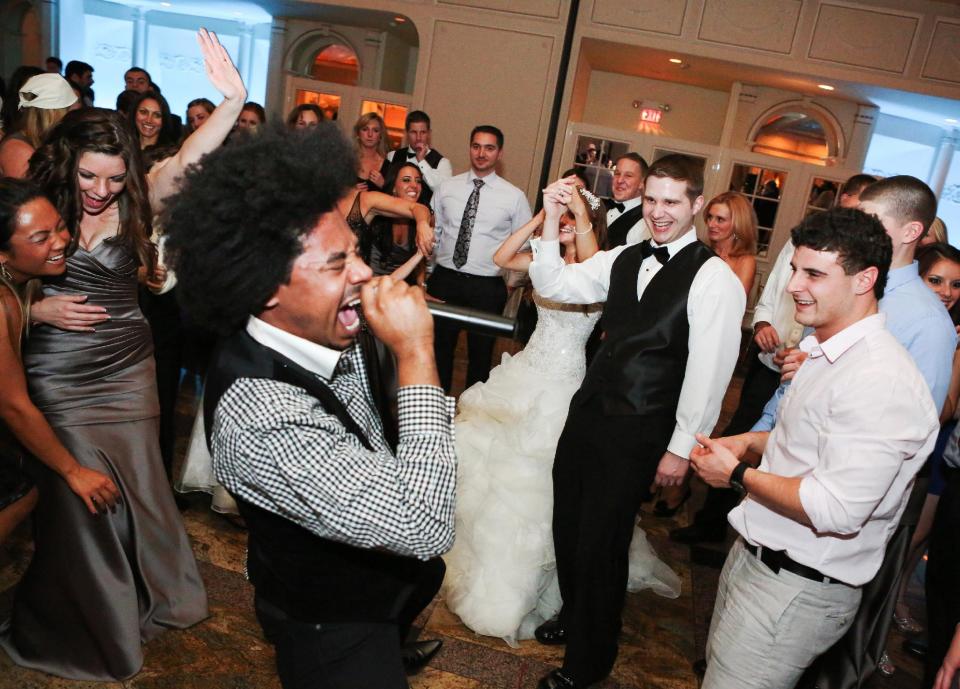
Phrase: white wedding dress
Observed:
(501, 572)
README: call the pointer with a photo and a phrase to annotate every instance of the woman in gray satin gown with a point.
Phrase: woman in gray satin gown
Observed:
(99, 587)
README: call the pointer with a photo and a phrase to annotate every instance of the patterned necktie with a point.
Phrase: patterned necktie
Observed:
(462, 248)
(661, 253)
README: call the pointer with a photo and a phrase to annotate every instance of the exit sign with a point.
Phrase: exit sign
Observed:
(651, 115)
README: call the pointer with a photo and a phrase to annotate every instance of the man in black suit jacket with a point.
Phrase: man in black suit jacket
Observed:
(625, 211)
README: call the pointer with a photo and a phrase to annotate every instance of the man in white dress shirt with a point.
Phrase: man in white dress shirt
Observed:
(625, 211)
(434, 168)
(852, 431)
(672, 319)
(774, 331)
(475, 212)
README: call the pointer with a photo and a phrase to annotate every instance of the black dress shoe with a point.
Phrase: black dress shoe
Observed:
(700, 533)
(916, 646)
(556, 680)
(416, 654)
(551, 633)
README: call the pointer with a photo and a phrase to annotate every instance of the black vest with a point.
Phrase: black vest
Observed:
(618, 229)
(640, 366)
(308, 577)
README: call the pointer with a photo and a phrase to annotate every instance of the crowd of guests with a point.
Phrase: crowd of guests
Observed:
(326, 419)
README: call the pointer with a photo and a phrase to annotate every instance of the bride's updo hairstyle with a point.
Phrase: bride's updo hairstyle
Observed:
(56, 163)
(597, 214)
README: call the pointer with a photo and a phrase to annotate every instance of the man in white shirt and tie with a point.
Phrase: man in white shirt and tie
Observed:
(672, 323)
(853, 429)
(625, 211)
(475, 212)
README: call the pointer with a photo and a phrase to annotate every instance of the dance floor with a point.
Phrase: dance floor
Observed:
(660, 640)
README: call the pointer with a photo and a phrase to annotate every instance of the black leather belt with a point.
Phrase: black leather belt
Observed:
(778, 559)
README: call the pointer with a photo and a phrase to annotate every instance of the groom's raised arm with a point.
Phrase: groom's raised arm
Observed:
(575, 283)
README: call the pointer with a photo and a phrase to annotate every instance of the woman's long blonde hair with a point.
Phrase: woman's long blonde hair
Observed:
(36, 122)
(363, 121)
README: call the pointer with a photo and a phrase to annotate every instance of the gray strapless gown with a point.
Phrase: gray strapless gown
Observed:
(98, 586)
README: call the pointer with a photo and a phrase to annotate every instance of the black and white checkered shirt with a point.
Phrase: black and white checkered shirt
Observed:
(277, 448)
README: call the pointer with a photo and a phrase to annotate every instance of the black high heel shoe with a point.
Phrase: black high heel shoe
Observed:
(662, 509)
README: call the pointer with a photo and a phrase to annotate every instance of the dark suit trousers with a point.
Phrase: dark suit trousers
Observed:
(603, 465)
(943, 576)
(163, 313)
(477, 292)
(759, 384)
(345, 655)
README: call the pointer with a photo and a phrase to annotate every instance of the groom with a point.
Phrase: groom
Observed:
(672, 319)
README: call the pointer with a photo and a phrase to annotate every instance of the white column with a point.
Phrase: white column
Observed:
(50, 27)
(245, 58)
(139, 56)
(941, 163)
(276, 74)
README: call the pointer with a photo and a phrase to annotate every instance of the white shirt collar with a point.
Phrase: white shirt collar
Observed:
(310, 355)
(689, 237)
(630, 204)
(489, 179)
(837, 345)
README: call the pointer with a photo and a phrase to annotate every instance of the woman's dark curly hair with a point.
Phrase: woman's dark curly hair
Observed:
(382, 226)
(14, 195)
(237, 224)
(168, 128)
(56, 163)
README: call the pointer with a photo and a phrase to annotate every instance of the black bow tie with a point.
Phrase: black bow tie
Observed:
(411, 155)
(617, 205)
(660, 253)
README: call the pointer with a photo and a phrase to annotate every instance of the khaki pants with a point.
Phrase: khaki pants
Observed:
(767, 628)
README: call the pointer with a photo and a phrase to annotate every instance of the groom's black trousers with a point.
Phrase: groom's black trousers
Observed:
(602, 467)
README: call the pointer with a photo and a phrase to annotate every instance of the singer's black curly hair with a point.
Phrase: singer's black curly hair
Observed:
(236, 226)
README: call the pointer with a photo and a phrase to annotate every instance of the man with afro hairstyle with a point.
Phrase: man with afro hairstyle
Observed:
(344, 534)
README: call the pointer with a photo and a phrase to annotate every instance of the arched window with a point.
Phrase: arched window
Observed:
(799, 130)
(325, 56)
(336, 63)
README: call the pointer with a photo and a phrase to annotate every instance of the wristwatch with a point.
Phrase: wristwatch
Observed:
(736, 478)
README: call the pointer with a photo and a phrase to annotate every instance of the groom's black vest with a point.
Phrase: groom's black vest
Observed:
(640, 366)
(308, 577)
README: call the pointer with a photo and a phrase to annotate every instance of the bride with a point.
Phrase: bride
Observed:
(501, 573)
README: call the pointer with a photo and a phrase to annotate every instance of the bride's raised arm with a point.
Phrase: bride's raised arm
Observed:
(163, 177)
(508, 256)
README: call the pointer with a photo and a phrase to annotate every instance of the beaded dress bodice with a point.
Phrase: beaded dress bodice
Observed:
(557, 346)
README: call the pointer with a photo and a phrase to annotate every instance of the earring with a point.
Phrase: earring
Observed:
(5, 272)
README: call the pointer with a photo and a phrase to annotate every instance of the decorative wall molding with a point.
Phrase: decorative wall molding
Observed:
(655, 16)
(549, 9)
(769, 25)
(874, 38)
(517, 71)
(942, 61)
